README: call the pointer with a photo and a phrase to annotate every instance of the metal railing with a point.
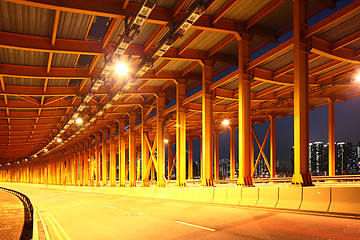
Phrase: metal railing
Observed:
(27, 232)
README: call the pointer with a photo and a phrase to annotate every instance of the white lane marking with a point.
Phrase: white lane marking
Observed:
(147, 213)
(109, 206)
(197, 226)
(81, 200)
(140, 213)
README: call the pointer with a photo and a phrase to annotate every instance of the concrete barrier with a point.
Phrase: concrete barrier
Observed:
(220, 194)
(234, 195)
(268, 197)
(345, 200)
(207, 194)
(315, 199)
(289, 197)
(250, 196)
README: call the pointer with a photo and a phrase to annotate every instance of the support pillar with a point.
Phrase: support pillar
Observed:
(81, 160)
(232, 152)
(301, 96)
(272, 146)
(97, 159)
(245, 164)
(160, 141)
(122, 152)
(180, 133)
(190, 159)
(216, 155)
(112, 171)
(86, 162)
(331, 126)
(207, 125)
(104, 157)
(170, 162)
(144, 149)
(132, 150)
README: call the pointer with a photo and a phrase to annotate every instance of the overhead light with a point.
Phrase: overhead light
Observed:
(166, 141)
(121, 68)
(226, 122)
(357, 78)
(35, 156)
(45, 150)
(59, 140)
(79, 121)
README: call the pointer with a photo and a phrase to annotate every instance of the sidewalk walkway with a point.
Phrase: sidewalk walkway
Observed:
(11, 216)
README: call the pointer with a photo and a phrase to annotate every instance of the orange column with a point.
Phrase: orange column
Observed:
(86, 162)
(244, 178)
(122, 154)
(81, 165)
(190, 159)
(104, 157)
(273, 146)
(92, 162)
(180, 133)
(144, 149)
(301, 96)
(331, 126)
(132, 150)
(160, 141)
(207, 125)
(169, 160)
(232, 152)
(112, 171)
(97, 159)
(216, 155)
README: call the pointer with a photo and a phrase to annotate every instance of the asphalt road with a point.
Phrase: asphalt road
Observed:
(79, 215)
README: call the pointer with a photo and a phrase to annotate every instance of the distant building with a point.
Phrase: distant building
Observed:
(347, 158)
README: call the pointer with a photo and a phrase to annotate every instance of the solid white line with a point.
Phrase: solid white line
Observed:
(109, 206)
(197, 226)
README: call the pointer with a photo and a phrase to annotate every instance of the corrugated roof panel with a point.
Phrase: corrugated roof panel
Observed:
(166, 4)
(63, 60)
(318, 62)
(261, 87)
(282, 88)
(332, 68)
(157, 63)
(231, 48)
(73, 25)
(281, 60)
(282, 16)
(355, 45)
(338, 31)
(226, 102)
(197, 69)
(215, 7)
(184, 38)
(207, 41)
(155, 83)
(23, 19)
(146, 31)
(23, 57)
(233, 85)
(243, 10)
(177, 65)
(35, 82)
(100, 63)
(14, 98)
(57, 82)
(119, 29)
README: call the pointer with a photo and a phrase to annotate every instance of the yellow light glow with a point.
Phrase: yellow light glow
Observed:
(166, 141)
(357, 78)
(226, 122)
(59, 140)
(45, 150)
(35, 156)
(121, 68)
(79, 121)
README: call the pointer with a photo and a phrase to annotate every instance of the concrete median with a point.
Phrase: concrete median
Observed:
(234, 195)
(289, 197)
(268, 197)
(315, 199)
(250, 196)
(345, 200)
(220, 194)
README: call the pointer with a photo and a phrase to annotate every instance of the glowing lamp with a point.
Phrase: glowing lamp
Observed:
(121, 69)
(79, 121)
(226, 122)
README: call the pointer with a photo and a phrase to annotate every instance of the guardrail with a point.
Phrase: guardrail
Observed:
(27, 232)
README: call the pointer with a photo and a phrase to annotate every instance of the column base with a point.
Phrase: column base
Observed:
(302, 179)
(245, 181)
(207, 182)
(180, 184)
(145, 184)
(132, 184)
(161, 184)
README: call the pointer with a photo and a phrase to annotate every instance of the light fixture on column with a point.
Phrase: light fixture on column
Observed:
(166, 141)
(45, 150)
(59, 140)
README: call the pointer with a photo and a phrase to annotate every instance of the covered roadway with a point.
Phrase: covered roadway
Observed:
(114, 217)
(71, 116)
